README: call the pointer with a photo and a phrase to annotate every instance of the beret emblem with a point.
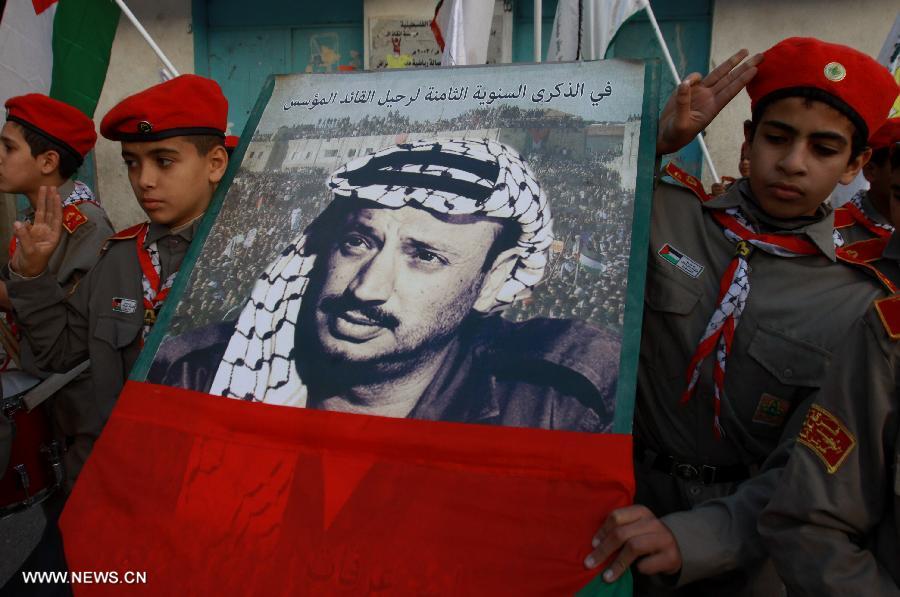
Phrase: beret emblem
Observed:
(835, 71)
(144, 127)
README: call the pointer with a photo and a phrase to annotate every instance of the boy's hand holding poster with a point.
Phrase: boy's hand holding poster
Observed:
(443, 269)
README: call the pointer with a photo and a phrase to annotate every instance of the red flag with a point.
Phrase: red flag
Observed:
(207, 495)
(42, 5)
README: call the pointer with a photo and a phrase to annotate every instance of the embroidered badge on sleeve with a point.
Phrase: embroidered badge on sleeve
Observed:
(72, 218)
(827, 437)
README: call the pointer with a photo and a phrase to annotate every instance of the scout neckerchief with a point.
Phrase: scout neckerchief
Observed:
(448, 176)
(854, 207)
(734, 288)
(81, 193)
(155, 291)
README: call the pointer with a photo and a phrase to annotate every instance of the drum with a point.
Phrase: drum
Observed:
(35, 467)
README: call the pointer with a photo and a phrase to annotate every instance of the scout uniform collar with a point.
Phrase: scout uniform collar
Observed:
(819, 228)
(66, 188)
(158, 231)
(859, 211)
(862, 200)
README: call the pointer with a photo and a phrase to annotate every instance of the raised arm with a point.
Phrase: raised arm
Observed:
(698, 100)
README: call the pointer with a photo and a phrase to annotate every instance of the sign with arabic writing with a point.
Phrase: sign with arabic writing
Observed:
(574, 129)
(409, 338)
(403, 42)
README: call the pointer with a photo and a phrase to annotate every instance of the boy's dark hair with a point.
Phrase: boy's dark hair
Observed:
(859, 140)
(205, 143)
(38, 143)
(880, 156)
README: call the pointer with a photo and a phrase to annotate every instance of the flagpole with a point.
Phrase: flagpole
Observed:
(169, 66)
(538, 15)
(668, 56)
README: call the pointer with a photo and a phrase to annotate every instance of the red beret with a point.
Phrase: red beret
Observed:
(852, 77)
(231, 142)
(61, 123)
(887, 135)
(185, 105)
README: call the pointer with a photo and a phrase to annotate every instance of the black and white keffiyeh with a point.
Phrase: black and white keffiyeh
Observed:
(448, 176)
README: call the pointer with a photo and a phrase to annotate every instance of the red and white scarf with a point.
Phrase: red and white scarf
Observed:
(155, 291)
(734, 289)
(855, 208)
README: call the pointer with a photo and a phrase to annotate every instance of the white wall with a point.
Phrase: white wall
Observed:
(758, 25)
(132, 68)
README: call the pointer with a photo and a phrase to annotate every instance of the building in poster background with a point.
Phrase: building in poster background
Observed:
(403, 42)
(456, 249)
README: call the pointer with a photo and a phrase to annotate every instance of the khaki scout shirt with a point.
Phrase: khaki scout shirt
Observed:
(797, 313)
(76, 254)
(833, 523)
(91, 323)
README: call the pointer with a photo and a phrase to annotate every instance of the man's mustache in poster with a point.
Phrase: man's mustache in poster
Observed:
(348, 304)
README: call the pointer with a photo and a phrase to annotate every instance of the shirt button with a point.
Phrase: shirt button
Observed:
(694, 491)
(788, 373)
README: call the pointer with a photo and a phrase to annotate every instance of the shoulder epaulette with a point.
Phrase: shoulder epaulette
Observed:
(72, 218)
(843, 218)
(889, 311)
(126, 234)
(688, 180)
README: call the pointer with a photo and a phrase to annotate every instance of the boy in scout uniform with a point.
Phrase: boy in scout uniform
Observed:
(172, 137)
(833, 523)
(867, 215)
(733, 345)
(43, 142)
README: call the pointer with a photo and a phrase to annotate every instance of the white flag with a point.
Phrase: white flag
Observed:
(26, 54)
(462, 29)
(583, 29)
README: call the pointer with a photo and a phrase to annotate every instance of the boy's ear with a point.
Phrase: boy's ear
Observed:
(217, 159)
(48, 162)
(855, 165)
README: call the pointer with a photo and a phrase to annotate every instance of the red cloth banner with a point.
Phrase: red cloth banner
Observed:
(217, 496)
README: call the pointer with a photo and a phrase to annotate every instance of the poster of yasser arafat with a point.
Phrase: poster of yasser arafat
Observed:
(401, 355)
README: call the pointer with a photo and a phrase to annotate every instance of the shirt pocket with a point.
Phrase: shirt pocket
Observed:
(118, 333)
(780, 373)
(666, 293)
(669, 321)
